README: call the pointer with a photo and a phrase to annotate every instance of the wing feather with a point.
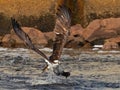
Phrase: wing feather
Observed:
(62, 27)
(23, 36)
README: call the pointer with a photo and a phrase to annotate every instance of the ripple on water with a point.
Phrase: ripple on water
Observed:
(89, 71)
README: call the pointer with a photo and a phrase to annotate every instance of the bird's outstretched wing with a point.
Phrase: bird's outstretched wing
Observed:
(23, 36)
(62, 27)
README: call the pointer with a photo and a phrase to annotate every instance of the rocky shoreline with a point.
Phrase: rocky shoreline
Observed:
(99, 32)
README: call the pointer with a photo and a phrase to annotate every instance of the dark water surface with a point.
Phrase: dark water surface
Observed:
(21, 69)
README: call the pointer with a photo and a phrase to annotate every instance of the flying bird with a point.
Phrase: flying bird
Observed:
(62, 31)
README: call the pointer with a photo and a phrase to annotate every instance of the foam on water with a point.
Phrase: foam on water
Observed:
(3, 49)
(98, 46)
(112, 51)
(46, 49)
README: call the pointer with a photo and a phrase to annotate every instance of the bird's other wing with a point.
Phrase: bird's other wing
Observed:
(62, 29)
(23, 36)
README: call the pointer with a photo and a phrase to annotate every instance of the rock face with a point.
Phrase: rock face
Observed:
(101, 29)
(90, 30)
(12, 40)
(106, 32)
(76, 30)
(75, 39)
(50, 37)
(112, 43)
(104, 29)
(7, 41)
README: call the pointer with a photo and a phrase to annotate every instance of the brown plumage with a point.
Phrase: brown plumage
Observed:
(62, 27)
(62, 30)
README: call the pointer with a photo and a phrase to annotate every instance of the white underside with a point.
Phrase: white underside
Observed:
(52, 65)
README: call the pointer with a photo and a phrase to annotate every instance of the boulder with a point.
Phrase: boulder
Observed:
(91, 29)
(112, 43)
(111, 24)
(50, 37)
(36, 36)
(114, 39)
(76, 30)
(6, 38)
(75, 39)
(7, 41)
(102, 29)
(87, 45)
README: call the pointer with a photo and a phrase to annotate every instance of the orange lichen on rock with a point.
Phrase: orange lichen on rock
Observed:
(25, 7)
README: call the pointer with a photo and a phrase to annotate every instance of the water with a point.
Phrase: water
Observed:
(90, 70)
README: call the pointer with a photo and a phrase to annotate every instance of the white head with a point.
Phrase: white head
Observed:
(57, 62)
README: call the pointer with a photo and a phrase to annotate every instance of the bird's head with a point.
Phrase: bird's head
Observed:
(65, 74)
(61, 72)
(56, 61)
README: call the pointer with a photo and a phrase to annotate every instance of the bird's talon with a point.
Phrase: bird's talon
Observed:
(46, 68)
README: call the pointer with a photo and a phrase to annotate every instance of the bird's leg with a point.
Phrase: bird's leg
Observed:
(45, 68)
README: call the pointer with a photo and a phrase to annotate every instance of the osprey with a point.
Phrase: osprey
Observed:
(62, 31)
